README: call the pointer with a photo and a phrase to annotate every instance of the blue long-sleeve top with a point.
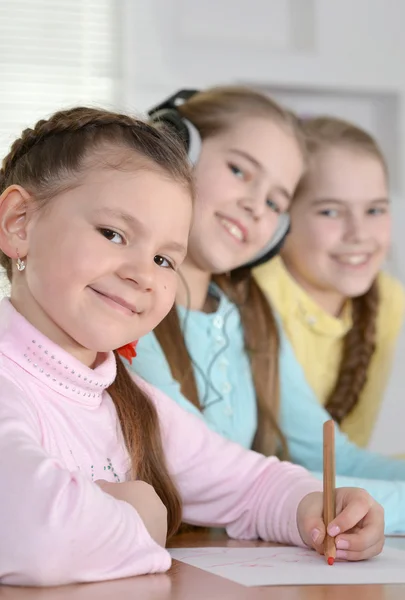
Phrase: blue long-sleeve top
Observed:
(226, 392)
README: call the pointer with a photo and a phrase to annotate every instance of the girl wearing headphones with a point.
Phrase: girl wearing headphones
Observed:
(219, 353)
(341, 313)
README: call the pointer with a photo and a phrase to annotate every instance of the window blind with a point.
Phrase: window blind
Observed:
(55, 54)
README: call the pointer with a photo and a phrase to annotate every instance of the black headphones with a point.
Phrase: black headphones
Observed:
(166, 112)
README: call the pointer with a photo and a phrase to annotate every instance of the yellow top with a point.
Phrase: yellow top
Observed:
(317, 339)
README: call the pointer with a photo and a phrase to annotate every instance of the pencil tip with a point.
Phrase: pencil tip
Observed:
(331, 560)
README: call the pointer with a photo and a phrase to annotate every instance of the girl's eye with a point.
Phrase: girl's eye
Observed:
(112, 236)
(236, 171)
(161, 261)
(377, 210)
(273, 205)
(329, 212)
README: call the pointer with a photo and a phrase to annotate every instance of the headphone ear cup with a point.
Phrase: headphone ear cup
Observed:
(274, 246)
(183, 128)
(171, 119)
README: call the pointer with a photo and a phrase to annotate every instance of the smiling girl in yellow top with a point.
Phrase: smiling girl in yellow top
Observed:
(341, 313)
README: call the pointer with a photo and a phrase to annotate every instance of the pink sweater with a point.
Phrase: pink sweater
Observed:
(59, 433)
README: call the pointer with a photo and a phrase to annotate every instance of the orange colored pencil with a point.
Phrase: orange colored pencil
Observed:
(329, 501)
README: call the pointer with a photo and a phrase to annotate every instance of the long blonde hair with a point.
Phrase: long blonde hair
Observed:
(212, 112)
(359, 344)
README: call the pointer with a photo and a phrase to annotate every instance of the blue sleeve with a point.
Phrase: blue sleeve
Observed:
(151, 364)
(302, 418)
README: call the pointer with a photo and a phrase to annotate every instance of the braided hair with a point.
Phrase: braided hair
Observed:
(50, 158)
(359, 343)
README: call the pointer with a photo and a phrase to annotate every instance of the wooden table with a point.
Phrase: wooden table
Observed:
(184, 582)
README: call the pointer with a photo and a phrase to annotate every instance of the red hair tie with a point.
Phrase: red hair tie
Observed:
(128, 351)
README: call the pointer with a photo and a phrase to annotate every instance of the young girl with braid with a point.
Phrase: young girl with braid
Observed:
(98, 467)
(341, 313)
(219, 353)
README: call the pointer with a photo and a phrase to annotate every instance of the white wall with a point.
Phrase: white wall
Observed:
(352, 45)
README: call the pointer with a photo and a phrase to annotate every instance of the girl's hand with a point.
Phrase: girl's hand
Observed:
(358, 528)
(146, 502)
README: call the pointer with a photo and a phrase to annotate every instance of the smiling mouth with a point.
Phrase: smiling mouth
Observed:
(353, 260)
(116, 303)
(233, 229)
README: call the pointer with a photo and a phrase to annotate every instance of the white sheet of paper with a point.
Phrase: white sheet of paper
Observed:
(292, 566)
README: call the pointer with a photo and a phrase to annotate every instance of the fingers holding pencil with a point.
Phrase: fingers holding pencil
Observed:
(359, 517)
(359, 525)
(350, 524)
(357, 530)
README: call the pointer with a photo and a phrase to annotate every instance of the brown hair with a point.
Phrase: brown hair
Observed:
(213, 112)
(359, 343)
(50, 158)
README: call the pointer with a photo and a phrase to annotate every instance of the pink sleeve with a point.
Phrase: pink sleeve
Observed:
(224, 485)
(56, 526)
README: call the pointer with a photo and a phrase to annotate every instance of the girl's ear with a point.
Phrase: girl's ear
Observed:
(15, 202)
